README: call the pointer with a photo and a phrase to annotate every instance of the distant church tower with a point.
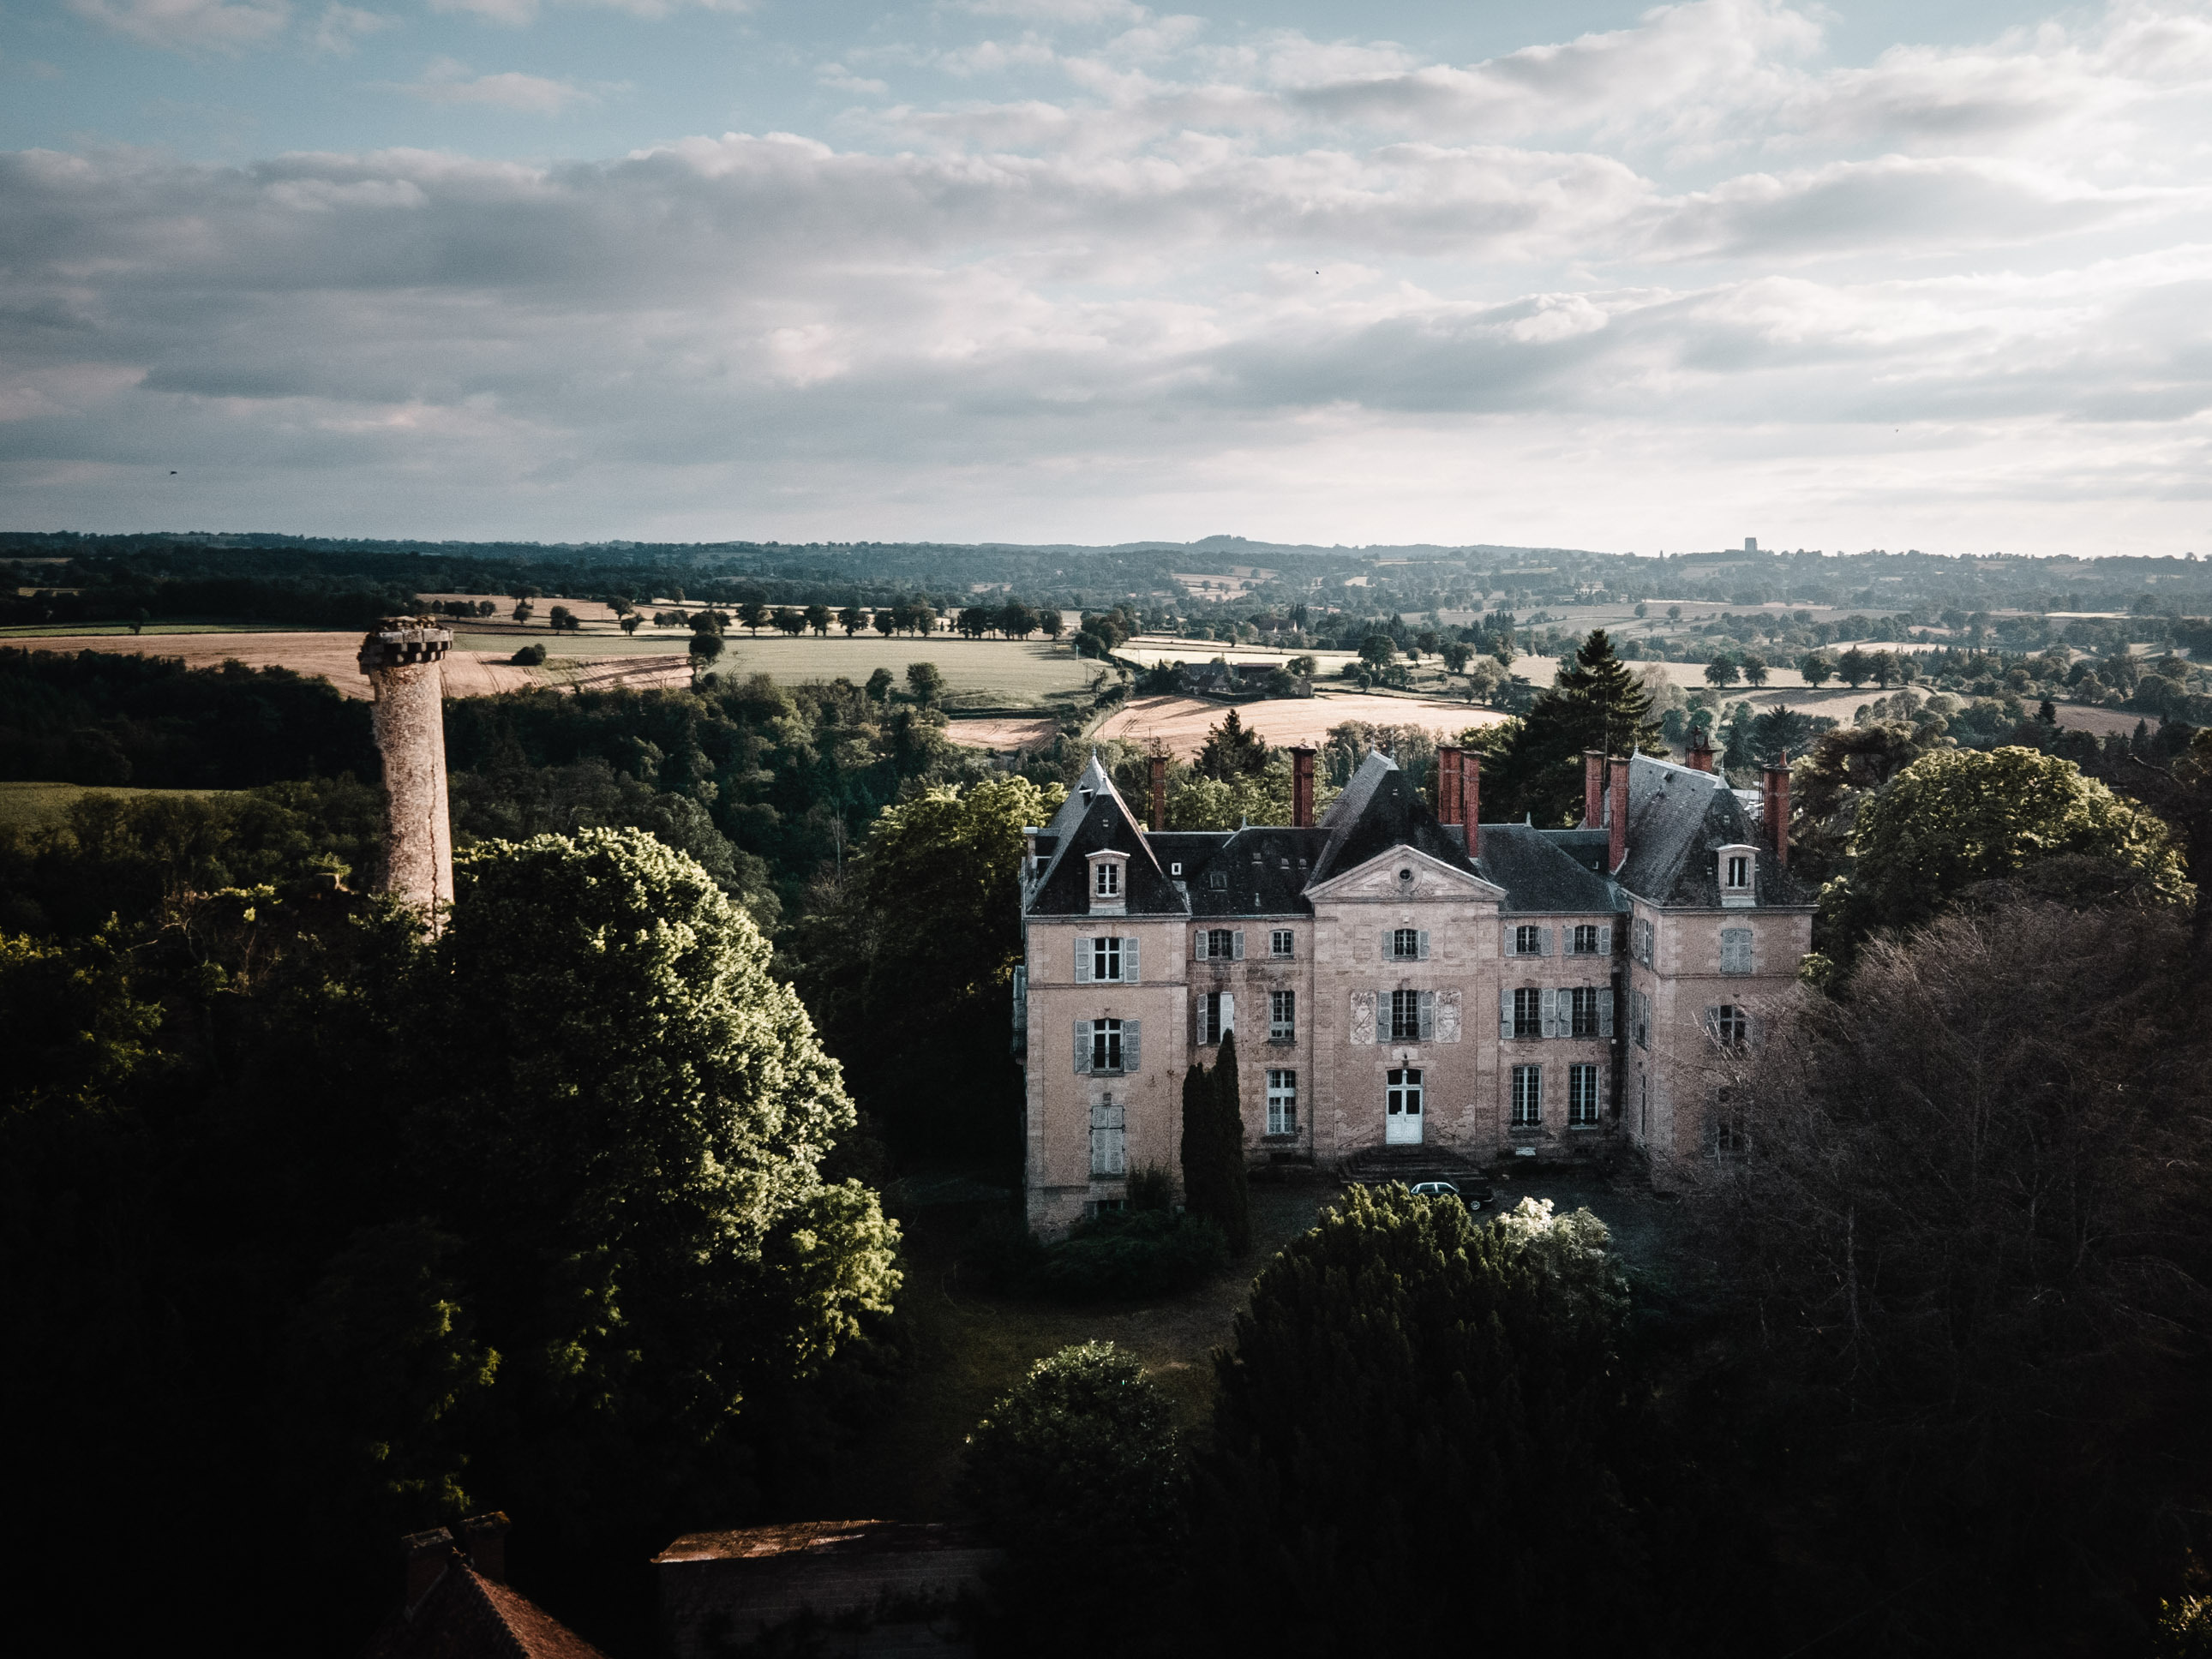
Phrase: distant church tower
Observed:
(402, 658)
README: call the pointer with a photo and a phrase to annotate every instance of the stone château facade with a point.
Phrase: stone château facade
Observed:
(1398, 974)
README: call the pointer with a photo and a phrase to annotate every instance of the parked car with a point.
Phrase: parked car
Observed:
(1474, 1196)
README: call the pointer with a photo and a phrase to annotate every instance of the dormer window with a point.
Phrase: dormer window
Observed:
(1109, 883)
(1739, 874)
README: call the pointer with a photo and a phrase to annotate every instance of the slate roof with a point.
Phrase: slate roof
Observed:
(1266, 870)
(1380, 808)
(1678, 818)
(1096, 819)
(465, 1615)
(1541, 877)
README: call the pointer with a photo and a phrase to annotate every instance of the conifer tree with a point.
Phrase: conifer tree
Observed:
(1597, 702)
(1199, 1164)
(1235, 1215)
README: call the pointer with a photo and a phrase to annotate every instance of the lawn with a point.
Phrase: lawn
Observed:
(29, 806)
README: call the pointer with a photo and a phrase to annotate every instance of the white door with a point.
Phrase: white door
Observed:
(1402, 1120)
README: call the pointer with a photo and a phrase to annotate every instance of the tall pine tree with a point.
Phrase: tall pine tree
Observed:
(1595, 702)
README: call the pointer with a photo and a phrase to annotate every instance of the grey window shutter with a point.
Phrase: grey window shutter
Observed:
(1383, 1017)
(1082, 1047)
(1424, 943)
(1129, 961)
(1428, 1007)
(1551, 1006)
(1083, 962)
(1604, 1012)
(1131, 1056)
(1390, 943)
(1228, 1011)
(1198, 1019)
(1237, 945)
(1504, 1011)
(1604, 941)
(1198, 945)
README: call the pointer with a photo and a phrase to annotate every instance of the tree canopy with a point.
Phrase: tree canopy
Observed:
(1597, 702)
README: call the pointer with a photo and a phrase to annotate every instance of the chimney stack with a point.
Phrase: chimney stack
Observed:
(1302, 788)
(1700, 756)
(1470, 799)
(1448, 785)
(428, 1554)
(486, 1543)
(1593, 787)
(402, 658)
(1616, 845)
(1159, 792)
(1774, 809)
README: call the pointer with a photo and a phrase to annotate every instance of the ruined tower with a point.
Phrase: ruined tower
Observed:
(403, 658)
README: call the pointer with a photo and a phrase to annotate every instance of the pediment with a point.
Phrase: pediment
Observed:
(1378, 882)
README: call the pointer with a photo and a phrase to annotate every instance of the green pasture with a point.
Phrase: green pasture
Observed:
(28, 806)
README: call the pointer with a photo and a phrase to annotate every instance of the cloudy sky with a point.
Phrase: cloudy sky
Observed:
(1872, 275)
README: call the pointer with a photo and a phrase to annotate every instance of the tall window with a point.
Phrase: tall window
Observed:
(1405, 944)
(1404, 1016)
(1282, 1103)
(1527, 1097)
(1582, 1094)
(1106, 957)
(1729, 1024)
(1109, 1143)
(1402, 1092)
(1582, 1012)
(1644, 1109)
(1739, 872)
(1105, 1045)
(1586, 939)
(1646, 939)
(1730, 1139)
(1528, 941)
(1282, 1016)
(1281, 942)
(1218, 944)
(1639, 1018)
(1214, 1012)
(1108, 879)
(1527, 1011)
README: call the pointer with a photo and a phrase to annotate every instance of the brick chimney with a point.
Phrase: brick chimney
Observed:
(1701, 757)
(1616, 818)
(1447, 784)
(1302, 788)
(1774, 813)
(1159, 792)
(1593, 787)
(1470, 799)
(428, 1555)
(485, 1540)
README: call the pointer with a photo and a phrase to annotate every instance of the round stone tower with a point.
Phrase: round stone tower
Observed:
(403, 658)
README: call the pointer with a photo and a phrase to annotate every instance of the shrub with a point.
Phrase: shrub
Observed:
(1127, 1254)
(529, 657)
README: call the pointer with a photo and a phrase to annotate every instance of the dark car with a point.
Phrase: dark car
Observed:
(1474, 1194)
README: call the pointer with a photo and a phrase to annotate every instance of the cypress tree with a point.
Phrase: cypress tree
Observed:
(1236, 1193)
(1199, 1164)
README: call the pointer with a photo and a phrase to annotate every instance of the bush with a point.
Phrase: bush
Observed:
(529, 657)
(1127, 1254)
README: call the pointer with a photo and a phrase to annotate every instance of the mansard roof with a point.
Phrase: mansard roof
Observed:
(1380, 808)
(1096, 819)
(1678, 818)
(1540, 875)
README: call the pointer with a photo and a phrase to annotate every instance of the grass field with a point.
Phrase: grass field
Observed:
(28, 806)
(94, 630)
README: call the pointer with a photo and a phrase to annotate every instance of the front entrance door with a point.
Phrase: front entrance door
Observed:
(1401, 1119)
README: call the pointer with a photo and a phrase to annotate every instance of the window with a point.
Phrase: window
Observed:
(1107, 880)
(1106, 958)
(1282, 1103)
(1647, 938)
(1735, 950)
(1581, 1096)
(1109, 1138)
(1216, 1012)
(1402, 1092)
(1220, 944)
(1404, 1016)
(1583, 1015)
(1405, 945)
(1282, 1016)
(1729, 1137)
(1586, 939)
(1739, 871)
(1728, 1025)
(1282, 942)
(1527, 1011)
(1644, 1110)
(1639, 1018)
(1528, 941)
(1218, 880)
(1527, 1097)
(1176, 869)
(1105, 1045)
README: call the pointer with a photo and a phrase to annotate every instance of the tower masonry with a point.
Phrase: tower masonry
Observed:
(404, 659)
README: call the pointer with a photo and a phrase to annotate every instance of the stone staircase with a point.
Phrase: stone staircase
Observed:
(1378, 1166)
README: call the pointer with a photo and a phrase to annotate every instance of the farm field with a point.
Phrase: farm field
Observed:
(1150, 650)
(28, 806)
(85, 631)
(1182, 723)
(468, 674)
(1008, 671)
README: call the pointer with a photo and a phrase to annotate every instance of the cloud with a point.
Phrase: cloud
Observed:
(447, 82)
(343, 26)
(223, 26)
(517, 13)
